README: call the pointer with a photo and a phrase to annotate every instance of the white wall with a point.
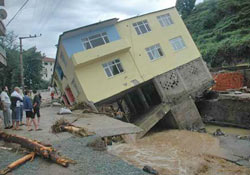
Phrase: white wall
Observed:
(47, 70)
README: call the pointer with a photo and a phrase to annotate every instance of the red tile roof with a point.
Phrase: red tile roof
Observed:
(46, 59)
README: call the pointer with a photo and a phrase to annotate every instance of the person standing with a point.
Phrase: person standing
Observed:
(5, 99)
(28, 107)
(36, 106)
(16, 100)
(21, 109)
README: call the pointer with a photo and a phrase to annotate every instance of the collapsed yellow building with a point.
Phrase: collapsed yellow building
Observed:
(147, 65)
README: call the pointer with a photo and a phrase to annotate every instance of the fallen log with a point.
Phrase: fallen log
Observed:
(18, 162)
(46, 152)
(63, 125)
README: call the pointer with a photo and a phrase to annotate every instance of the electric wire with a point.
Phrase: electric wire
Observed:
(17, 12)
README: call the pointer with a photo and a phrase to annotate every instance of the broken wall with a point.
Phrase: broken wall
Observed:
(226, 111)
(179, 87)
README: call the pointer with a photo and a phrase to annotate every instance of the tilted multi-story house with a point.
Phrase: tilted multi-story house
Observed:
(139, 63)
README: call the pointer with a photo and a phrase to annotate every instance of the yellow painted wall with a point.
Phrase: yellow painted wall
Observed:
(97, 86)
(69, 72)
(92, 79)
(161, 35)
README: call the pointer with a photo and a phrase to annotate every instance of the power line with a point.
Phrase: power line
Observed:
(17, 12)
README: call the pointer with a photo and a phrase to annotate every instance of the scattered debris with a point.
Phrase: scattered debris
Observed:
(246, 137)
(150, 170)
(237, 92)
(200, 130)
(98, 144)
(5, 148)
(218, 132)
(44, 151)
(63, 125)
(56, 104)
(86, 107)
(64, 111)
(18, 162)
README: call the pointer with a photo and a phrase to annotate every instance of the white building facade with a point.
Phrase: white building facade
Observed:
(48, 68)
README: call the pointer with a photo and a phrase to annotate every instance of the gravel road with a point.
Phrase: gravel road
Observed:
(89, 162)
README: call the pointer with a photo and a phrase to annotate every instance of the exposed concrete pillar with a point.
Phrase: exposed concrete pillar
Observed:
(187, 115)
(130, 103)
(143, 99)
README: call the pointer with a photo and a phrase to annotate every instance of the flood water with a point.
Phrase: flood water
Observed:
(179, 152)
(228, 130)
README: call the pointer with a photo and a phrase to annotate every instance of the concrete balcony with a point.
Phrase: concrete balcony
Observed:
(3, 56)
(91, 55)
(2, 29)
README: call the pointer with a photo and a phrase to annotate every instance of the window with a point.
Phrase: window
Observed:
(95, 40)
(59, 71)
(75, 86)
(177, 43)
(154, 52)
(141, 27)
(165, 20)
(113, 67)
(45, 63)
(63, 59)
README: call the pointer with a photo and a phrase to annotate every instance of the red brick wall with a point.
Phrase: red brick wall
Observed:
(229, 80)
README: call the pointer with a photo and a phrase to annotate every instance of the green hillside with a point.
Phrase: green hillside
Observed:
(221, 30)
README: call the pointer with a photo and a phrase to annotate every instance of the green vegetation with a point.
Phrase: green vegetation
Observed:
(221, 30)
(32, 63)
(185, 7)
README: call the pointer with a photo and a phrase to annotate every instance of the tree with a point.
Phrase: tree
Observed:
(185, 7)
(32, 63)
(10, 74)
(221, 30)
(32, 68)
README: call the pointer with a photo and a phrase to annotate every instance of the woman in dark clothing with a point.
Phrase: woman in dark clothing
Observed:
(28, 108)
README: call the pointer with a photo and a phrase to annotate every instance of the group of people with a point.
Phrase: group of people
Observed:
(16, 104)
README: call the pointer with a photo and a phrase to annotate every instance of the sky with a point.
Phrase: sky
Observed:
(52, 17)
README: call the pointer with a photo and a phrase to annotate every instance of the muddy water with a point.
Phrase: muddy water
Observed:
(227, 130)
(177, 152)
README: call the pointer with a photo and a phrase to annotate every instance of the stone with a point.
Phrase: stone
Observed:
(218, 132)
(150, 170)
(98, 144)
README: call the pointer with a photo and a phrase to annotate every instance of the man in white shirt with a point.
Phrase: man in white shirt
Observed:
(5, 99)
(16, 100)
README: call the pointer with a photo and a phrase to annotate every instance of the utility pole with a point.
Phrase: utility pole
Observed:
(21, 56)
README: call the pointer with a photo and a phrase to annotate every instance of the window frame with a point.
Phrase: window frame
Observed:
(145, 24)
(151, 49)
(87, 40)
(165, 20)
(183, 44)
(109, 64)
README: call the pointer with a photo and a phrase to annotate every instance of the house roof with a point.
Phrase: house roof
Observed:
(47, 59)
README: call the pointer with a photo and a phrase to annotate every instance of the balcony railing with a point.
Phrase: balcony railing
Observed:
(91, 55)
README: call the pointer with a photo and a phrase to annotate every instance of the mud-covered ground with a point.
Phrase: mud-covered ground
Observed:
(89, 162)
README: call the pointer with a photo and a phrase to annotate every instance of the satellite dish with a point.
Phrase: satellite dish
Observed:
(3, 14)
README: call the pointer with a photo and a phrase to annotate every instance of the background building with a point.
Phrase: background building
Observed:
(48, 68)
